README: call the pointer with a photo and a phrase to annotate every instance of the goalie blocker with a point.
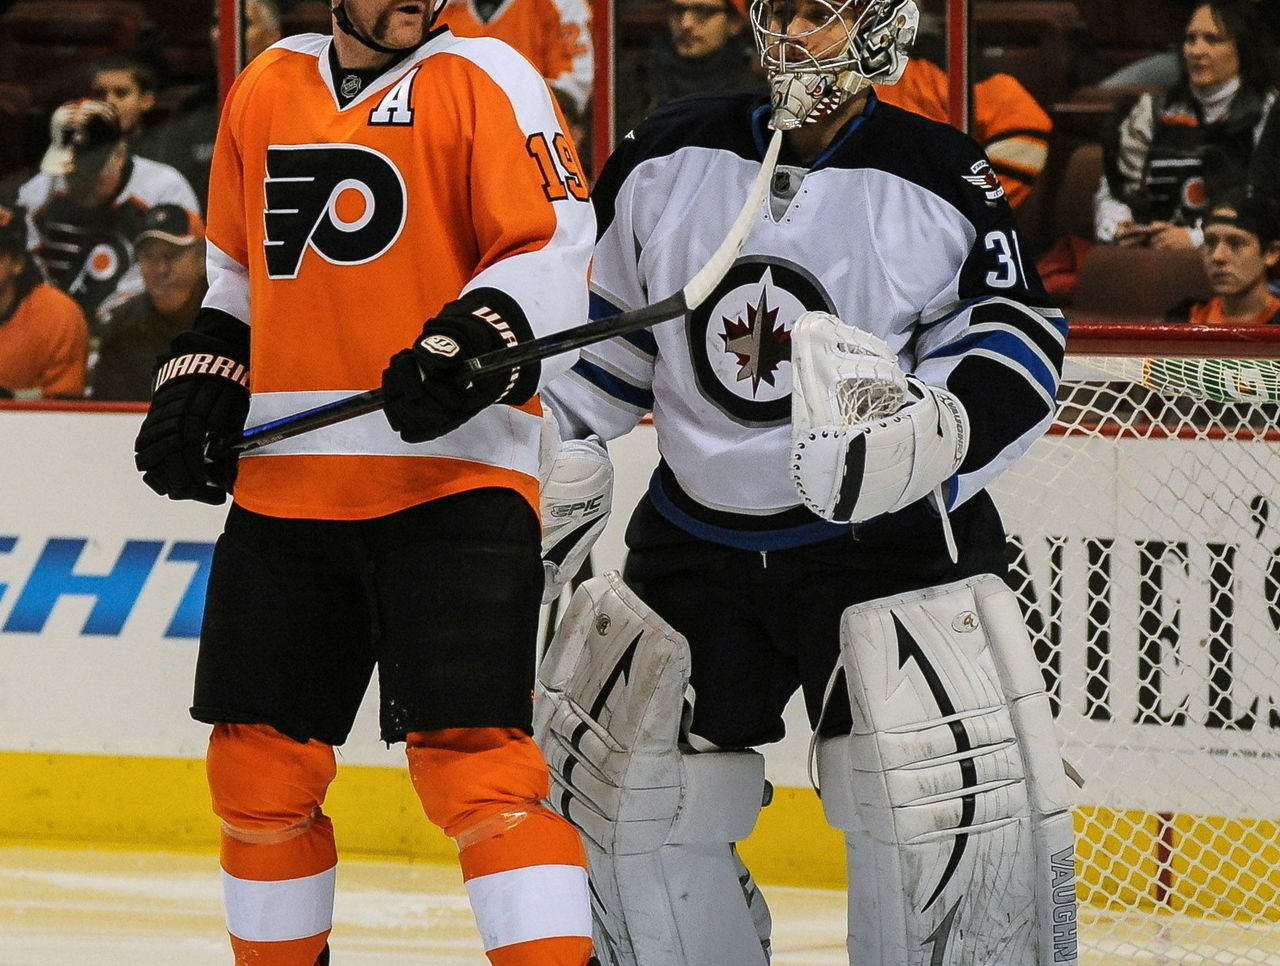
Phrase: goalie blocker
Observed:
(950, 788)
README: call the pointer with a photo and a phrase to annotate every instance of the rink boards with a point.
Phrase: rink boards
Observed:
(101, 587)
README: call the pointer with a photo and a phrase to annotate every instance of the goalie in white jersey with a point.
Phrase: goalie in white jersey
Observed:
(788, 541)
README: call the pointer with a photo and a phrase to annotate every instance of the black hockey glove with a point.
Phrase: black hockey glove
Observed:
(201, 396)
(427, 390)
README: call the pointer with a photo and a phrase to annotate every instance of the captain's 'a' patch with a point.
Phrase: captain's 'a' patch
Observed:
(396, 106)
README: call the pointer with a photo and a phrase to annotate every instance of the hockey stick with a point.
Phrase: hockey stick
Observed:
(1227, 380)
(690, 297)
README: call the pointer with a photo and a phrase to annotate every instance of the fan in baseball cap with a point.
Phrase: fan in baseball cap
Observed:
(171, 223)
(80, 130)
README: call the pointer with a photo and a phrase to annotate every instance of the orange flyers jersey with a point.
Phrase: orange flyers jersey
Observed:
(335, 232)
(1213, 313)
(554, 35)
(1010, 125)
(44, 344)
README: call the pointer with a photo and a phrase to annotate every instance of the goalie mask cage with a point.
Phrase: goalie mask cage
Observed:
(1145, 548)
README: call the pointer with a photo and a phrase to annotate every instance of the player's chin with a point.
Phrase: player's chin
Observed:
(405, 23)
(403, 31)
(408, 12)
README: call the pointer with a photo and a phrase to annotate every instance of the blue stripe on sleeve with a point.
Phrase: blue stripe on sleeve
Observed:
(643, 340)
(1007, 344)
(600, 308)
(611, 385)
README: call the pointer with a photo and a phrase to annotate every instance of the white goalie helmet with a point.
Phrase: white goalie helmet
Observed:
(819, 53)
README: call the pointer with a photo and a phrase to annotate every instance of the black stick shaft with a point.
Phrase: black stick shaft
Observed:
(690, 297)
(499, 360)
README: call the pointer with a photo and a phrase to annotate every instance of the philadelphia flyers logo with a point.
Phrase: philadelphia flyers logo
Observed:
(346, 201)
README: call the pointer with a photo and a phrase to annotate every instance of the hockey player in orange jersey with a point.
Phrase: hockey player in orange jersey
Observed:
(361, 184)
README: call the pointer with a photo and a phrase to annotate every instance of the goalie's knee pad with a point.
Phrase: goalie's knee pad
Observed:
(950, 787)
(659, 823)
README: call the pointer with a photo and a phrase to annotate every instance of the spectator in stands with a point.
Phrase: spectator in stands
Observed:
(1162, 69)
(128, 84)
(170, 252)
(1195, 140)
(44, 338)
(1264, 166)
(553, 35)
(704, 48)
(1241, 247)
(1007, 121)
(88, 201)
(185, 141)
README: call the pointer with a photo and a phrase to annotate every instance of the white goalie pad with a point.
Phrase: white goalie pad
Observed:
(866, 438)
(576, 497)
(950, 787)
(658, 822)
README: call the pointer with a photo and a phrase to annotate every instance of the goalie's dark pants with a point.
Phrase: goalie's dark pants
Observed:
(443, 597)
(759, 625)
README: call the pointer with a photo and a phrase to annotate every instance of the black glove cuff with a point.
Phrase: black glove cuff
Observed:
(218, 345)
(508, 326)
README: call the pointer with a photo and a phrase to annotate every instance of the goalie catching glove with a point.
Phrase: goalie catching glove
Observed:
(428, 392)
(201, 396)
(866, 437)
(577, 494)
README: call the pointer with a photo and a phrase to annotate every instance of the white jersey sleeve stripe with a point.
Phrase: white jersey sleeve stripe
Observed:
(503, 436)
(228, 284)
(1007, 347)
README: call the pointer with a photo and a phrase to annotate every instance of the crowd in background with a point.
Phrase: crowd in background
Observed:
(101, 237)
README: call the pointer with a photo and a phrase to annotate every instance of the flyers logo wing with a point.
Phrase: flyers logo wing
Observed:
(346, 201)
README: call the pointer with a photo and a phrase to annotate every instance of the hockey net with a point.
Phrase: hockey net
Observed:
(1145, 541)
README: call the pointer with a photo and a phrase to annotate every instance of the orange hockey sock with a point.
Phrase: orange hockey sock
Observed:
(524, 865)
(278, 856)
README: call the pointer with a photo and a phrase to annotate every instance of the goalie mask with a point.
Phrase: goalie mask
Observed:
(819, 53)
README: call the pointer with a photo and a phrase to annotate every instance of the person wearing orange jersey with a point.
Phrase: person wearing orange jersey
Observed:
(1008, 122)
(361, 183)
(44, 339)
(554, 35)
(1241, 247)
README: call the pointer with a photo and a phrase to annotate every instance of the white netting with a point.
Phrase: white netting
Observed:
(1145, 540)
(865, 400)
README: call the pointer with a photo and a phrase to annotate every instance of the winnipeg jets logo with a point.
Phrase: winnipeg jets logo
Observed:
(345, 201)
(740, 338)
(758, 343)
(983, 178)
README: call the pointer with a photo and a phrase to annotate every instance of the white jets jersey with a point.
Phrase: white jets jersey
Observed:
(900, 228)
